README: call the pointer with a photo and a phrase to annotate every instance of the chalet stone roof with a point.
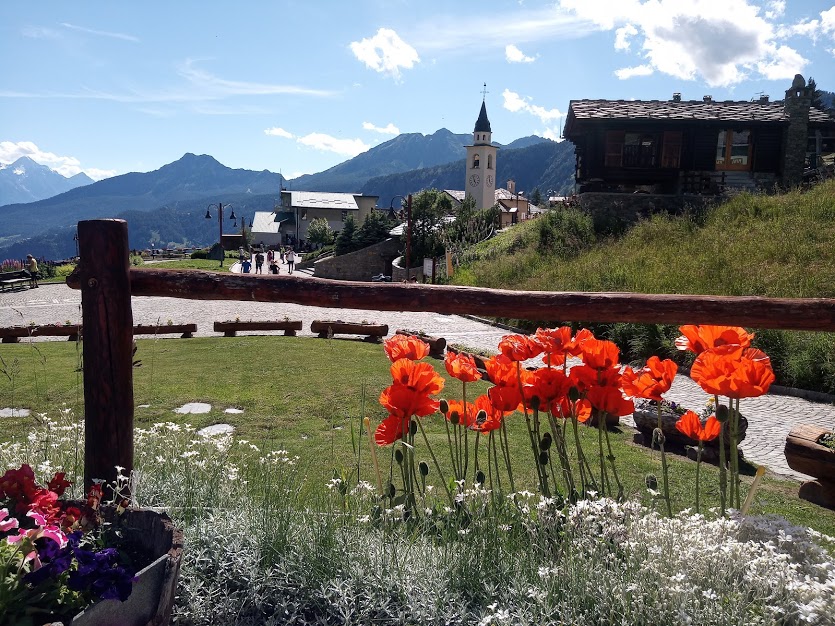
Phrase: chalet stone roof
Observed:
(323, 200)
(499, 194)
(482, 124)
(691, 110)
(265, 222)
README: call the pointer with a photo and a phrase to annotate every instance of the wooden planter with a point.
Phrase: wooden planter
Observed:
(13, 334)
(326, 328)
(186, 331)
(229, 329)
(437, 345)
(152, 597)
(804, 454)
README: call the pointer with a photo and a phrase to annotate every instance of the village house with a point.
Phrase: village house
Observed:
(679, 148)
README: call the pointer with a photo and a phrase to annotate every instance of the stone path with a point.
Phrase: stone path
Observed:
(771, 417)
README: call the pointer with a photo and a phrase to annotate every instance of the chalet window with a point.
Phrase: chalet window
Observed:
(733, 150)
(475, 161)
(630, 149)
(614, 148)
(671, 149)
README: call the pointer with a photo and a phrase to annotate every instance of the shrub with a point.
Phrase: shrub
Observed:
(200, 254)
(565, 232)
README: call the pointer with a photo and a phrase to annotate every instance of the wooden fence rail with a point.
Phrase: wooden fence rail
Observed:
(107, 281)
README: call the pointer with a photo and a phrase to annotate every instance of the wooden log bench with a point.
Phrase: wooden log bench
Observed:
(437, 345)
(328, 328)
(229, 329)
(13, 334)
(186, 331)
(804, 454)
(16, 280)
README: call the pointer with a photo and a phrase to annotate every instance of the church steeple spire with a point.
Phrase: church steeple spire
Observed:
(482, 124)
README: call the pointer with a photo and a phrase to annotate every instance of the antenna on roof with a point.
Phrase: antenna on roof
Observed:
(484, 93)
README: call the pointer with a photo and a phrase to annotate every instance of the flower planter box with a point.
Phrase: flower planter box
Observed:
(230, 329)
(186, 331)
(646, 420)
(437, 345)
(804, 454)
(13, 334)
(326, 328)
(152, 598)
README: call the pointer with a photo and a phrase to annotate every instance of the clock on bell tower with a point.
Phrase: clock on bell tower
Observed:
(480, 181)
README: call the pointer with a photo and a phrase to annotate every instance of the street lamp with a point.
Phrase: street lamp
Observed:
(219, 207)
(408, 230)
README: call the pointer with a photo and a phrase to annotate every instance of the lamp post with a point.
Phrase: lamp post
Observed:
(219, 207)
(408, 230)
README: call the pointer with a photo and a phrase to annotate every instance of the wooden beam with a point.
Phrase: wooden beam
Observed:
(108, 348)
(751, 311)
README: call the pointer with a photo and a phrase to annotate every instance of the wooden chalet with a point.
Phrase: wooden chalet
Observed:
(680, 147)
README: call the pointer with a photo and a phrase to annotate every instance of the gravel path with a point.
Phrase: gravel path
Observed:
(771, 417)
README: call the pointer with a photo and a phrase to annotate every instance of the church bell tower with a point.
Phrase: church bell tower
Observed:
(480, 180)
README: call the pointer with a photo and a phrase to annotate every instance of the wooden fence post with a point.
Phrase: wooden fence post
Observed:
(107, 348)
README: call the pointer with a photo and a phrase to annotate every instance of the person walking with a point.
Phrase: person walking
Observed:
(246, 266)
(290, 257)
(259, 263)
(32, 268)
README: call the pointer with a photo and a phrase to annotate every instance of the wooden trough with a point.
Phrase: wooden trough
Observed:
(437, 345)
(804, 454)
(230, 329)
(328, 328)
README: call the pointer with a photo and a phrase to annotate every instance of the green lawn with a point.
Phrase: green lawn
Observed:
(308, 396)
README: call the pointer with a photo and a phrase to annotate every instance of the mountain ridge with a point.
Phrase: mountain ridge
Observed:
(26, 180)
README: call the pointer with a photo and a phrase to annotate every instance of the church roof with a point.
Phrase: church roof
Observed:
(482, 124)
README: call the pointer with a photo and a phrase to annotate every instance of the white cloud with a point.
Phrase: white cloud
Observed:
(391, 129)
(720, 41)
(775, 8)
(326, 143)
(275, 131)
(65, 165)
(512, 54)
(514, 102)
(625, 73)
(214, 86)
(100, 33)
(385, 52)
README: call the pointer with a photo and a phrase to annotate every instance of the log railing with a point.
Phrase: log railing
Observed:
(107, 281)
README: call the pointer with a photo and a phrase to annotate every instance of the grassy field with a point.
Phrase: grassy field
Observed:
(308, 396)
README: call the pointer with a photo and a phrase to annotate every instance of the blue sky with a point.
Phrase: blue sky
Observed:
(299, 86)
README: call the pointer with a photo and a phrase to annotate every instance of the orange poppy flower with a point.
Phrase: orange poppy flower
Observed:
(651, 381)
(405, 347)
(565, 408)
(610, 400)
(390, 430)
(501, 371)
(505, 398)
(462, 367)
(494, 416)
(736, 373)
(599, 353)
(584, 377)
(556, 342)
(403, 401)
(545, 384)
(421, 377)
(520, 347)
(691, 425)
(464, 419)
(705, 337)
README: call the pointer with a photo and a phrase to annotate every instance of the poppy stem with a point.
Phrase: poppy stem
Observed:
(559, 444)
(367, 423)
(735, 451)
(506, 453)
(611, 458)
(492, 442)
(451, 452)
(698, 465)
(664, 463)
(435, 461)
(465, 426)
(543, 485)
(723, 476)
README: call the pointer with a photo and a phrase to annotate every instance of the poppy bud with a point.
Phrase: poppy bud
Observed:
(413, 427)
(721, 414)
(444, 407)
(479, 477)
(651, 482)
(573, 394)
(545, 442)
(543, 458)
(423, 468)
(390, 491)
(398, 456)
(535, 403)
(454, 417)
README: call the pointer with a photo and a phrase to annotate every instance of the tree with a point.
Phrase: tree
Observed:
(374, 229)
(536, 197)
(319, 232)
(429, 208)
(345, 238)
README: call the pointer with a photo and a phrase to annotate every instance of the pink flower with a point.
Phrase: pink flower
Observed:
(6, 526)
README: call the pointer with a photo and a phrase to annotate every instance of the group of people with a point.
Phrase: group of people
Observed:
(285, 255)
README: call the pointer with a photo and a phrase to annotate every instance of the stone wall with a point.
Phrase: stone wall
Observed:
(398, 271)
(797, 103)
(360, 265)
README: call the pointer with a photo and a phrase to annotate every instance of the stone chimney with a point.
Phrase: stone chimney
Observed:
(763, 99)
(795, 137)
(676, 97)
(707, 98)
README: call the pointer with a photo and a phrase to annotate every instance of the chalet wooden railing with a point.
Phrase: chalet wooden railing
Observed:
(107, 282)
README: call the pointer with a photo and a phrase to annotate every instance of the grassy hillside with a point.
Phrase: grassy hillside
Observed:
(778, 246)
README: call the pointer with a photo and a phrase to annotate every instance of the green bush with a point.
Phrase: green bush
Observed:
(200, 254)
(565, 233)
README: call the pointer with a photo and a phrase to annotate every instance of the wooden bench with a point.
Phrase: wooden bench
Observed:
(186, 331)
(15, 280)
(437, 345)
(328, 328)
(12, 334)
(229, 329)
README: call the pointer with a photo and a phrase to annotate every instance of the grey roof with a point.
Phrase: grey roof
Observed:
(499, 193)
(265, 222)
(323, 200)
(693, 110)
(482, 124)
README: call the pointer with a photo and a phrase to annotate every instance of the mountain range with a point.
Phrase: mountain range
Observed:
(28, 181)
(168, 206)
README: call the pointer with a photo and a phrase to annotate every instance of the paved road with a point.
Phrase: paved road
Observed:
(771, 417)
